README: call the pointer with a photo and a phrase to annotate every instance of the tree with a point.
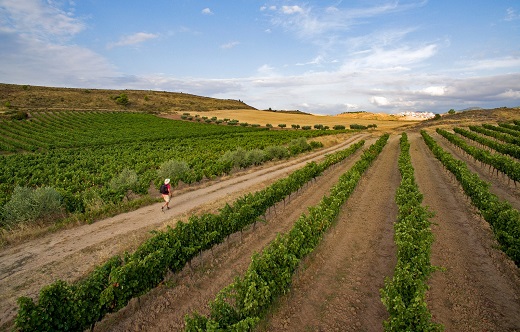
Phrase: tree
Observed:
(282, 125)
(451, 111)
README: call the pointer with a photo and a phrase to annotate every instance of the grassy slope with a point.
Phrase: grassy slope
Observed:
(25, 97)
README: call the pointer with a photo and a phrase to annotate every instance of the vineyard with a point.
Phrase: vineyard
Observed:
(78, 154)
(415, 231)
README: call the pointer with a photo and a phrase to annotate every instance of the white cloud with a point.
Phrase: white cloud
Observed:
(435, 90)
(511, 14)
(292, 10)
(230, 45)
(136, 38)
(512, 62)
(207, 11)
(379, 101)
(34, 19)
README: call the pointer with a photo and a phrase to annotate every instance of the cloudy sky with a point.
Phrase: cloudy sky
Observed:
(323, 57)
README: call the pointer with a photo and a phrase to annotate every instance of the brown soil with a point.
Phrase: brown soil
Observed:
(479, 290)
(337, 287)
(70, 254)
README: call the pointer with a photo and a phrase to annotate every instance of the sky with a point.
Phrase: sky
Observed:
(322, 57)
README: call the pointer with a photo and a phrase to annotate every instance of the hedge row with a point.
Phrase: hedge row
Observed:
(503, 218)
(73, 307)
(241, 305)
(404, 294)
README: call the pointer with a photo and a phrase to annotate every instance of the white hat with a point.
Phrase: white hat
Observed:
(166, 181)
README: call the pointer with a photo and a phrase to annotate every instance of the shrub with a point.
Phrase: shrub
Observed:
(282, 125)
(298, 145)
(268, 125)
(357, 126)
(295, 126)
(276, 152)
(338, 127)
(174, 170)
(306, 127)
(124, 181)
(318, 126)
(20, 115)
(236, 158)
(255, 157)
(122, 99)
(28, 205)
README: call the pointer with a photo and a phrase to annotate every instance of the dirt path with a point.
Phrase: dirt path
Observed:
(337, 289)
(164, 308)
(480, 288)
(70, 254)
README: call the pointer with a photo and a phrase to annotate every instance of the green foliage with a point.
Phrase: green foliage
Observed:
(295, 126)
(437, 117)
(124, 181)
(318, 126)
(175, 170)
(504, 164)
(20, 115)
(298, 145)
(358, 126)
(268, 125)
(122, 99)
(404, 295)
(282, 125)
(306, 127)
(338, 127)
(81, 152)
(241, 305)
(503, 218)
(28, 205)
(452, 111)
(110, 287)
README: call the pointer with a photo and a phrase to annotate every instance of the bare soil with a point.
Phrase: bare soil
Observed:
(70, 254)
(478, 288)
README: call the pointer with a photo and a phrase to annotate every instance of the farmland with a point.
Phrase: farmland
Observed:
(337, 285)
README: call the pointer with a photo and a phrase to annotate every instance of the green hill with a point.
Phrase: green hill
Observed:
(37, 98)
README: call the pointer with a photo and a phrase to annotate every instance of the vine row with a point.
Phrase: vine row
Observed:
(504, 148)
(404, 294)
(501, 163)
(503, 218)
(63, 306)
(241, 305)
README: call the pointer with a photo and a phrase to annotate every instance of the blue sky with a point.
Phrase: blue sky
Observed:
(323, 57)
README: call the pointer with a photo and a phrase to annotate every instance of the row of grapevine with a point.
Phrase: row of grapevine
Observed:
(510, 126)
(74, 307)
(504, 148)
(496, 134)
(404, 294)
(503, 218)
(83, 168)
(241, 305)
(504, 130)
(501, 163)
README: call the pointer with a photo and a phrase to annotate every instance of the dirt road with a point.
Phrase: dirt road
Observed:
(70, 254)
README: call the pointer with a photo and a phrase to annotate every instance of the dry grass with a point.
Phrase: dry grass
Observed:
(25, 97)
(383, 122)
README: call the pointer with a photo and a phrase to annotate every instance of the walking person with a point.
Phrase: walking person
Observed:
(166, 194)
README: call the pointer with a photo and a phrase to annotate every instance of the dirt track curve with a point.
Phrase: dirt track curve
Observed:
(70, 254)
